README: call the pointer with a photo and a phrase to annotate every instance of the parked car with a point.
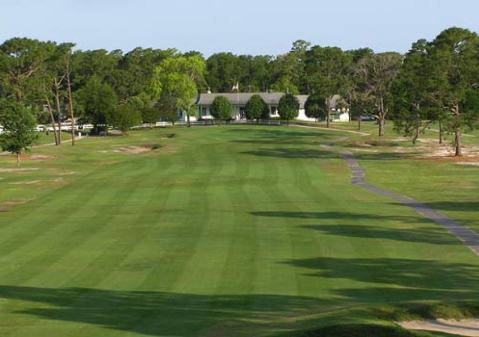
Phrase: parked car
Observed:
(368, 118)
(41, 128)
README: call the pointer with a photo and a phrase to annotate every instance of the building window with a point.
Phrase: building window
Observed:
(242, 112)
(204, 111)
(274, 110)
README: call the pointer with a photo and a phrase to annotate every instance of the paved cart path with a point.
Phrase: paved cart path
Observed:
(470, 238)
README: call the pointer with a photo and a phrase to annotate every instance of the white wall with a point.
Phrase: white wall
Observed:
(302, 116)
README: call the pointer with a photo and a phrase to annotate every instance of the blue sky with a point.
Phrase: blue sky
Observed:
(245, 26)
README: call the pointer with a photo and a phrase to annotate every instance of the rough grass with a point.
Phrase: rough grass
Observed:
(224, 231)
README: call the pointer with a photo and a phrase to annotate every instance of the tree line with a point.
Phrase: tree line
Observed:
(436, 82)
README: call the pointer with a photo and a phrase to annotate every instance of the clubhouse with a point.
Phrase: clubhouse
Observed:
(239, 101)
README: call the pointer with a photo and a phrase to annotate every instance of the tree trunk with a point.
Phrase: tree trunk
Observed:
(359, 123)
(188, 120)
(381, 117)
(49, 107)
(18, 159)
(457, 142)
(70, 101)
(59, 111)
(381, 123)
(441, 138)
(416, 136)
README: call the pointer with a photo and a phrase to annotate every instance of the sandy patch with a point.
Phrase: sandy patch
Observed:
(34, 182)
(466, 327)
(366, 150)
(134, 149)
(472, 163)
(67, 173)
(9, 170)
(6, 205)
(37, 157)
(434, 150)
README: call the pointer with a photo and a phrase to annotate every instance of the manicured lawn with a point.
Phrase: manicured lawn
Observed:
(219, 231)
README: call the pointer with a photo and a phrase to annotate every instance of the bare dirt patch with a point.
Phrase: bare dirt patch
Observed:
(39, 157)
(434, 151)
(18, 170)
(6, 205)
(137, 149)
(36, 182)
(466, 327)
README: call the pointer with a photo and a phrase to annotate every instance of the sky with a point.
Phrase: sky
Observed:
(241, 26)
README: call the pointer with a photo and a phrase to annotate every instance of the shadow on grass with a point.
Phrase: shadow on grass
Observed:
(460, 206)
(384, 155)
(292, 153)
(396, 279)
(359, 330)
(421, 235)
(159, 313)
(348, 226)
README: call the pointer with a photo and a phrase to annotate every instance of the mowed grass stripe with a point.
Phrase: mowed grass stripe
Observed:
(208, 257)
(72, 268)
(37, 249)
(75, 229)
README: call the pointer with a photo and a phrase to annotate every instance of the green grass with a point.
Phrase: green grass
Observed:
(220, 231)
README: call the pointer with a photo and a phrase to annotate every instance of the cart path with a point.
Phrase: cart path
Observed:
(470, 238)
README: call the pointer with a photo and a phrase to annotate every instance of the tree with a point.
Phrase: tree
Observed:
(166, 107)
(453, 79)
(150, 115)
(377, 73)
(18, 128)
(315, 106)
(21, 59)
(124, 117)
(326, 69)
(133, 74)
(223, 72)
(288, 107)
(283, 76)
(256, 108)
(98, 101)
(221, 108)
(410, 111)
(350, 89)
(179, 78)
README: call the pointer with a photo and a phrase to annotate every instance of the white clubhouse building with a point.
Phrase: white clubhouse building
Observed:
(239, 101)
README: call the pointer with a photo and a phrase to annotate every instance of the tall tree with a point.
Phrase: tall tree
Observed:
(411, 114)
(454, 80)
(283, 76)
(378, 73)
(21, 59)
(98, 101)
(350, 89)
(327, 69)
(179, 77)
(223, 72)
(18, 128)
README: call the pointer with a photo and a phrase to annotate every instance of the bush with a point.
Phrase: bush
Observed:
(221, 108)
(288, 107)
(256, 108)
(316, 107)
(124, 117)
